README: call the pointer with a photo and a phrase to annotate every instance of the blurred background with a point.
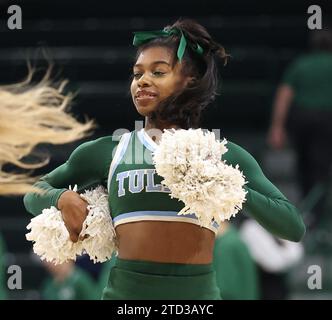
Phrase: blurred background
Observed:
(89, 43)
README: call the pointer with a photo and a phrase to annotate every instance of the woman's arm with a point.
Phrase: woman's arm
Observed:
(277, 132)
(85, 167)
(266, 204)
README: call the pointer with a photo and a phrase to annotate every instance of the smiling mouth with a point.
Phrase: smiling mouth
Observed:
(145, 96)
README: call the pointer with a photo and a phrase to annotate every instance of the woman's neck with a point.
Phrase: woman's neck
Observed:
(158, 124)
(155, 128)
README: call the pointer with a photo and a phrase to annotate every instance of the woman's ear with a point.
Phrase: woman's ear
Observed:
(191, 81)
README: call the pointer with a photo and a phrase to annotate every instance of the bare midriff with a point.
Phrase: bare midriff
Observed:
(169, 242)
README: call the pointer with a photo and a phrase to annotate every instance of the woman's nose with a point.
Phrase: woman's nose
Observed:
(143, 81)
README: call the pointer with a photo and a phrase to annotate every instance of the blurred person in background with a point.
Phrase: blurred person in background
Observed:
(303, 107)
(68, 282)
(274, 258)
(235, 269)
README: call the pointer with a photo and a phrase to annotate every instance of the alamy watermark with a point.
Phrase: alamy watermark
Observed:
(315, 20)
(314, 281)
(142, 154)
(14, 20)
(14, 281)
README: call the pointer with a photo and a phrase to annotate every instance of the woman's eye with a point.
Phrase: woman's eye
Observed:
(137, 75)
(158, 73)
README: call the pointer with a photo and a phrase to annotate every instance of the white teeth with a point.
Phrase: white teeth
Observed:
(145, 95)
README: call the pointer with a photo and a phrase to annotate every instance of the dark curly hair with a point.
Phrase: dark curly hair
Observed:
(184, 108)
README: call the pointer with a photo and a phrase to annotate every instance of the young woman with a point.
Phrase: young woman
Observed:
(161, 255)
(31, 115)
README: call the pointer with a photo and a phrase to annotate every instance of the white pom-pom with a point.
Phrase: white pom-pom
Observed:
(51, 237)
(98, 231)
(190, 161)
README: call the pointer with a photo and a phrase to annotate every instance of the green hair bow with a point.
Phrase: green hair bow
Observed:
(142, 37)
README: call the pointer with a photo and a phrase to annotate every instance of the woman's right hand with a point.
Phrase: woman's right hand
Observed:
(74, 211)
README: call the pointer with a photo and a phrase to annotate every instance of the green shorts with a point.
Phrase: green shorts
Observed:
(145, 280)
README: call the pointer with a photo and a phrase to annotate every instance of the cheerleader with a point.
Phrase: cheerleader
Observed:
(161, 254)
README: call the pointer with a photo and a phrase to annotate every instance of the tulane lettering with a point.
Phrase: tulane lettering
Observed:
(138, 180)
